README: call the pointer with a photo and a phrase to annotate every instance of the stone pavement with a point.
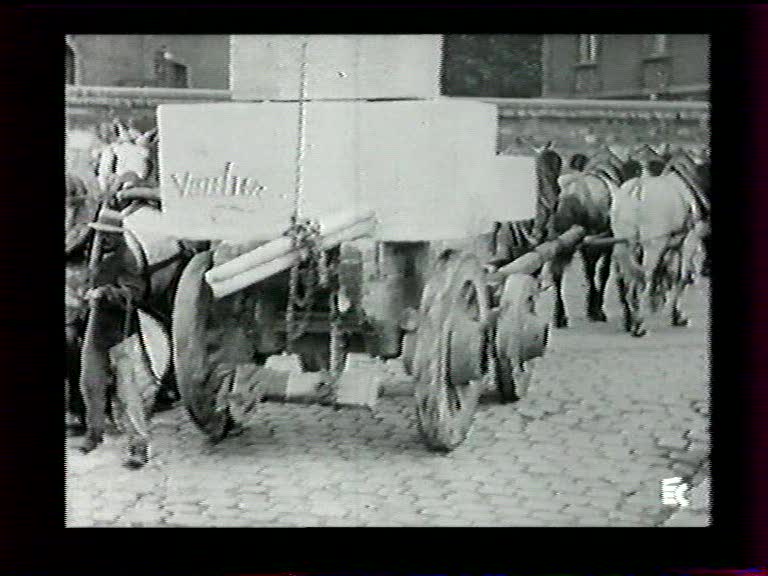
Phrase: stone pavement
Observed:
(607, 418)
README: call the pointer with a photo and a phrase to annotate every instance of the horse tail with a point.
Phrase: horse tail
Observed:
(570, 208)
(636, 190)
(628, 264)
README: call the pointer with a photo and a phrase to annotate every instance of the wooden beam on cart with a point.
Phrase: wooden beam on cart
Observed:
(531, 261)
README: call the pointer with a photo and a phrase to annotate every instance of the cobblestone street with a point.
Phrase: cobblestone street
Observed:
(607, 418)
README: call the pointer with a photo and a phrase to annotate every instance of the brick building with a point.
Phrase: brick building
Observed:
(149, 60)
(626, 66)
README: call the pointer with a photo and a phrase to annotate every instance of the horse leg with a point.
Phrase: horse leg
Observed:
(623, 290)
(589, 260)
(684, 275)
(653, 261)
(604, 271)
(678, 317)
(706, 266)
(639, 295)
(595, 286)
(557, 268)
(630, 284)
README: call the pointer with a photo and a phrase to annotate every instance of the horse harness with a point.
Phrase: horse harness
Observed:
(699, 197)
(148, 270)
(604, 178)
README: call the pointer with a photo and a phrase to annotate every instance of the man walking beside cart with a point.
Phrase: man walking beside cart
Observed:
(110, 342)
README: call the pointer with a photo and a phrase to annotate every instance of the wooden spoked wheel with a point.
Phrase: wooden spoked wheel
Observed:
(208, 343)
(513, 373)
(448, 350)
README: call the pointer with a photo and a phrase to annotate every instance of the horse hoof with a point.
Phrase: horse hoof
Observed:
(75, 430)
(598, 316)
(561, 323)
(133, 463)
(164, 405)
(138, 456)
(91, 443)
(639, 331)
(679, 320)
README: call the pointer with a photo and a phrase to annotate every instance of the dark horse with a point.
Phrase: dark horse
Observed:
(585, 199)
(561, 201)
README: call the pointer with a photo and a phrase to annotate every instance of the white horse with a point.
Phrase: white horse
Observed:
(660, 228)
(127, 160)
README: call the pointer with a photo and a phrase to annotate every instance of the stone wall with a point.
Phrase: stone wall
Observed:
(587, 125)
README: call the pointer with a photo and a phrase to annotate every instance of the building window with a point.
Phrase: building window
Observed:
(658, 44)
(168, 72)
(69, 65)
(587, 48)
(586, 80)
(178, 76)
(656, 75)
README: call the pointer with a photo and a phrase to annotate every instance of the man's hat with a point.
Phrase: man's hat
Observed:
(108, 221)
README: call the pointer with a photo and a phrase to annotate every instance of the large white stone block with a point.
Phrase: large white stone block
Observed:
(267, 67)
(427, 168)
(517, 184)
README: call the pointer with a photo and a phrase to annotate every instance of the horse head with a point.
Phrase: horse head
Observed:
(128, 161)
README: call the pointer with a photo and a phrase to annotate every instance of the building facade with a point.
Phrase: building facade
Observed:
(626, 66)
(149, 60)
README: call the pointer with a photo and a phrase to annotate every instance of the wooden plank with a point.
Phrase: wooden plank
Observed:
(532, 261)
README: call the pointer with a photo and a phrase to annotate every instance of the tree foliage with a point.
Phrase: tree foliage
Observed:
(492, 65)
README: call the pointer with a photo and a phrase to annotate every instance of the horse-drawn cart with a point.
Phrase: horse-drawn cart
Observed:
(363, 230)
(469, 332)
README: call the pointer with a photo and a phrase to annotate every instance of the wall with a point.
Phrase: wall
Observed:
(690, 61)
(497, 65)
(587, 125)
(128, 59)
(558, 54)
(620, 62)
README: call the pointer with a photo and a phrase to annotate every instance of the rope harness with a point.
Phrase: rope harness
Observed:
(313, 270)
